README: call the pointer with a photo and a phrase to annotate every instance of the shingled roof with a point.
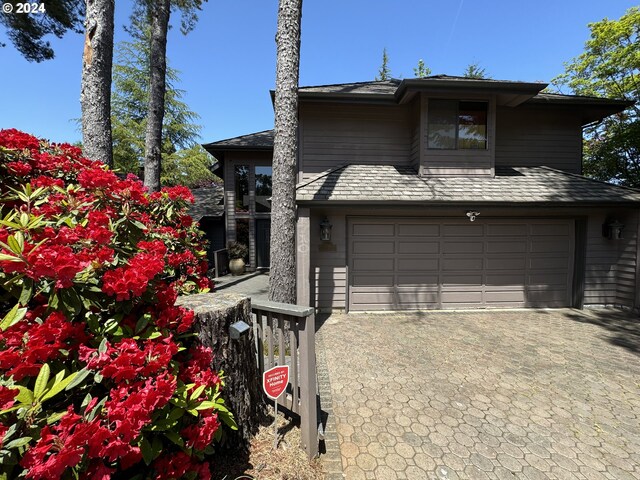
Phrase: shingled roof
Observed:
(208, 202)
(522, 185)
(258, 140)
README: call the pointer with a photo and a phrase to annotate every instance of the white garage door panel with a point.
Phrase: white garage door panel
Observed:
(397, 264)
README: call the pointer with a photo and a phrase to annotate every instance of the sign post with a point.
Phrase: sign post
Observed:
(274, 383)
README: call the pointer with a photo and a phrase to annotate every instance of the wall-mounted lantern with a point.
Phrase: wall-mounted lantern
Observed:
(325, 230)
(472, 215)
(612, 229)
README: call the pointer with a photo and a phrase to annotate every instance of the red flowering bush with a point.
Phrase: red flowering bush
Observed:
(100, 375)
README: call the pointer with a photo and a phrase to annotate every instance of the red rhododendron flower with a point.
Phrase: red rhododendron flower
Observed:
(179, 192)
(97, 178)
(7, 397)
(200, 435)
(15, 139)
(57, 262)
(55, 452)
(93, 240)
(19, 168)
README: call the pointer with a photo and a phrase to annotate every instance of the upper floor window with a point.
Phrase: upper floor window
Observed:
(457, 125)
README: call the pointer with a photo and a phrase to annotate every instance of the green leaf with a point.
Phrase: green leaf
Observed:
(59, 386)
(103, 346)
(14, 316)
(9, 258)
(78, 379)
(156, 446)
(14, 245)
(206, 405)
(175, 438)
(27, 291)
(55, 417)
(147, 452)
(25, 395)
(142, 323)
(18, 442)
(41, 381)
(197, 392)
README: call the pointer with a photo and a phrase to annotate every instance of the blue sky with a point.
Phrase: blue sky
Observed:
(227, 63)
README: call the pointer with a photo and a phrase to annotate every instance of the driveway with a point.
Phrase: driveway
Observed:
(529, 394)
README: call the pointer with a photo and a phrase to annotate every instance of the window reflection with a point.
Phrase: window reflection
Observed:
(457, 125)
(263, 189)
(242, 188)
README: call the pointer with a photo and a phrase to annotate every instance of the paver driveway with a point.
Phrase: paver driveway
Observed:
(518, 394)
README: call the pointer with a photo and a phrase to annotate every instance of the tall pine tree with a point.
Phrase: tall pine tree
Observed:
(183, 160)
(282, 281)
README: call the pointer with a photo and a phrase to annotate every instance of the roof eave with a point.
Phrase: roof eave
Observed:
(468, 203)
(517, 92)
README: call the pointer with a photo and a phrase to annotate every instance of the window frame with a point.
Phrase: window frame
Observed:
(459, 101)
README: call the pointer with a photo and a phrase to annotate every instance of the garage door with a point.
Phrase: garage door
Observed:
(411, 264)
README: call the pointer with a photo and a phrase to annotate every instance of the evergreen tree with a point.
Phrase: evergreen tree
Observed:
(26, 31)
(158, 13)
(421, 70)
(183, 161)
(95, 93)
(282, 283)
(474, 70)
(384, 73)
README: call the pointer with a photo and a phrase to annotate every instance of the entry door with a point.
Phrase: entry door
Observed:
(263, 240)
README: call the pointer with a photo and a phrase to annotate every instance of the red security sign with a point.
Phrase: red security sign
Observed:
(275, 380)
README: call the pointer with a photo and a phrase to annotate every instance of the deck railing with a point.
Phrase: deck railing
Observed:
(285, 335)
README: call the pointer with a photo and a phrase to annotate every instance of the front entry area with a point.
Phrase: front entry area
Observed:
(444, 263)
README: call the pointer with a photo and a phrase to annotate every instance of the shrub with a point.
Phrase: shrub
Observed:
(100, 373)
(237, 250)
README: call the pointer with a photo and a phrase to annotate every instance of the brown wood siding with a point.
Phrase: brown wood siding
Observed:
(329, 264)
(416, 128)
(336, 134)
(529, 136)
(610, 273)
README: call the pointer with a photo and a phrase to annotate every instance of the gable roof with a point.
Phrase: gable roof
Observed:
(526, 186)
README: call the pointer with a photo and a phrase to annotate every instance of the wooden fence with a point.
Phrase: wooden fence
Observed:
(274, 322)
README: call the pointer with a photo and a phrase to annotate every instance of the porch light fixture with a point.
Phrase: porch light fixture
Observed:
(613, 229)
(325, 230)
(472, 215)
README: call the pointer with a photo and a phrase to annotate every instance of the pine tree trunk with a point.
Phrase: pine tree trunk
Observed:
(95, 95)
(282, 281)
(159, 13)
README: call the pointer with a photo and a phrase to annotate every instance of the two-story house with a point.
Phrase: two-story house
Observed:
(442, 192)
